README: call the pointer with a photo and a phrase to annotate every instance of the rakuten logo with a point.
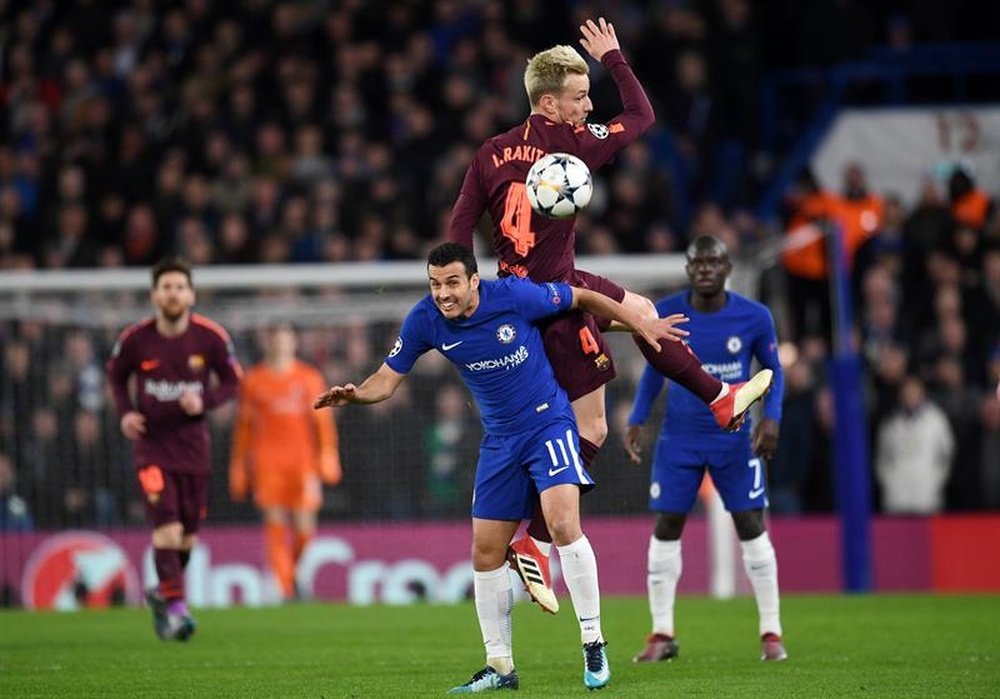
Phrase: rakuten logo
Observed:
(165, 391)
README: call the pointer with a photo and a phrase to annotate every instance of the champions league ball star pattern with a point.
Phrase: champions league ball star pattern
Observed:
(559, 185)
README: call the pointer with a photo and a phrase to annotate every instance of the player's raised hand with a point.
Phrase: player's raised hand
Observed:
(598, 38)
(336, 397)
(133, 424)
(633, 445)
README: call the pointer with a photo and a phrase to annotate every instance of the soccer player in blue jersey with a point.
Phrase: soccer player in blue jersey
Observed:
(727, 332)
(530, 446)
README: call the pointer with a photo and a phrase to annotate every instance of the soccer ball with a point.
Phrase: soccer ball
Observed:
(559, 185)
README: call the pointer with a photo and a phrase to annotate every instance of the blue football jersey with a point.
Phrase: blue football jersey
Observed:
(726, 341)
(498, 351)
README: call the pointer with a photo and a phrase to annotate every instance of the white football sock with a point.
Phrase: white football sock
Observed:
(544, 546)
(664, 570)
(723, 392)
(494, 602)
(579, 568)
(761, 565)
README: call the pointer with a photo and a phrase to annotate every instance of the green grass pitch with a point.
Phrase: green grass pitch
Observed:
(856, 646)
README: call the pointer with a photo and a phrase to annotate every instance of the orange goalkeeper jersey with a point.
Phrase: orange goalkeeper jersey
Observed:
(278, 432)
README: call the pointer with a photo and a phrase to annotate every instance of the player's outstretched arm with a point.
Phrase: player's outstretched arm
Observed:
(598, 38)
(650, 328)
(375, 389)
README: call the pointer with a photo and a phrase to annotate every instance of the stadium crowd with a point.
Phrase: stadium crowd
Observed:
(339, 131)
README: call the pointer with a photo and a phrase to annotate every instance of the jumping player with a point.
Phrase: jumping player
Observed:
(172, 357)
(542, 249)
(530, 448)
(728, 332)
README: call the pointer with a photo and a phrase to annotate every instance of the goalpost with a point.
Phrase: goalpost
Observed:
(347, 316)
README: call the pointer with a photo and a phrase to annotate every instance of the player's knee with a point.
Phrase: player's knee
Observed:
(595, 430)
(749, 524)
(168, 536)
(669, 526)
(487, 555)
(565, 529)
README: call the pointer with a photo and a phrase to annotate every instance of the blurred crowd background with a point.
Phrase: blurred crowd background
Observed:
(322, 131)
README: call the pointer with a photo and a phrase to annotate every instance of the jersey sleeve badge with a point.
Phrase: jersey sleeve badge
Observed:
(600, 131)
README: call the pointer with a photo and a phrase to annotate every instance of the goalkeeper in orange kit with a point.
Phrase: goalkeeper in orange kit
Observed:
(282, 448)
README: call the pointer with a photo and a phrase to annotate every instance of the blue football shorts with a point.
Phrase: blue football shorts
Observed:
(677, 473)
(514, 469)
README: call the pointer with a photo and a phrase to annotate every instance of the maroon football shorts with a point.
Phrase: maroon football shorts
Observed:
(174, 497)
(577, 350)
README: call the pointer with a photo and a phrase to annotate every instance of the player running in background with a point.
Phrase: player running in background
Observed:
(531, 245)
(727, 331)
(281, 449)
(172, 358)
(530, 445)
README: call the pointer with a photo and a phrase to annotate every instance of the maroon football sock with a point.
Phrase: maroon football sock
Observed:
(185, 556)
(168, 569)
(588, 450)
(536, 527)
(677, 362)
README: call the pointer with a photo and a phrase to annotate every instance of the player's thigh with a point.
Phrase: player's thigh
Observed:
(194, 489)
(503, 488)
(289, 489)
(579, 354)
(675, 477)
(160, 495)
(739, 477)
(591, 416)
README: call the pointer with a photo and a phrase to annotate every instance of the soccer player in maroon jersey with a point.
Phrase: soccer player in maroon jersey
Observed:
(530, 245)
(172, 357)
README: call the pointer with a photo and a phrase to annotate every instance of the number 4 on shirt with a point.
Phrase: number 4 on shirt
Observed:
(516, 222)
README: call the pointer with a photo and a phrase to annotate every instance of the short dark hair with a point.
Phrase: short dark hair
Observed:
(171, 264)
(706, 243)
(446, 253)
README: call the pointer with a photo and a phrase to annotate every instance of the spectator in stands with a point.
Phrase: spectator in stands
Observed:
(961, 405)
(989, 456)
(14, 513)
(810, 209)
(789, 469)
(970, 205)
(451, 442)
(914, 451)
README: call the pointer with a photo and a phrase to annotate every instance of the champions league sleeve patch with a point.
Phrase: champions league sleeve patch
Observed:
(396, 347)
(600, 131)
(554, 293)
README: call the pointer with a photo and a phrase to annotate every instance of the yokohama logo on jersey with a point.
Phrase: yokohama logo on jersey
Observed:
(725, 371)
(509, 362)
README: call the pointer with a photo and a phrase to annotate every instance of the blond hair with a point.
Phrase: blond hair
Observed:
(546, 72)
